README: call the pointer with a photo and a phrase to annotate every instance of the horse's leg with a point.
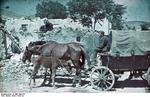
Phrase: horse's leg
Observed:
(79, 76)
(74, 80)
(69, 69)
(35, 71)
(75, 76)
(81, 66)
(78, 73)
(50, 78)
(53, 76)
(55, 63)
(44, 81)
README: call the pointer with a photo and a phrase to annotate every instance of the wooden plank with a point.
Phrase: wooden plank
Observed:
(127, 63)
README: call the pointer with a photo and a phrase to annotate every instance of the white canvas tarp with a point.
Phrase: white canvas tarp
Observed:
(124, 42)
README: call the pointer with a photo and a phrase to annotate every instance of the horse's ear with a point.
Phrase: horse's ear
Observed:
(30, 44)
(26, 48)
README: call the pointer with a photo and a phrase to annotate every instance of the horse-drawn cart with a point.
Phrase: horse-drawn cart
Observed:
(130, 51)
(127, 55)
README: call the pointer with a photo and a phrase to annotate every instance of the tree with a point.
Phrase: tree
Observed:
(51, 10)
(97, 10)
(116, 17)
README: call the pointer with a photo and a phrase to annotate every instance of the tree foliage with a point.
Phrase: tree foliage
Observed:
(98, 10)
(51, 10)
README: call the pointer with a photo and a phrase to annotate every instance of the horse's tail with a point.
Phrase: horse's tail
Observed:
(82, 58)
(86, 56)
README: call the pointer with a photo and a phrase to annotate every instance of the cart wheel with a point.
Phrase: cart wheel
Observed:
(146, 76)
(148, 80)
(102, 78)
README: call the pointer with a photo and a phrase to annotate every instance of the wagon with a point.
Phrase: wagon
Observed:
(125, 55)
(130, 51)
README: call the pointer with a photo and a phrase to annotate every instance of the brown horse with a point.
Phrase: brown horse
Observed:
(69, 51)
(47, 61)
(52, 63)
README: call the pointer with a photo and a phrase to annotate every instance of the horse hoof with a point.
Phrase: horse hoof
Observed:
(78, 85)
(43, 84)
(54, 87)
(73, 85)
(34, 84)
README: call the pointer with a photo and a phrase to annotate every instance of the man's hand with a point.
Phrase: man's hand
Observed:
(98, 49)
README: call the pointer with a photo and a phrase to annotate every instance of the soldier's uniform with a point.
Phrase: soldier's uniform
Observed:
(104, 45)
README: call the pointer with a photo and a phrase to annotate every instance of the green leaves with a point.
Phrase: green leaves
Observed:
(51, 10)
(97, 9)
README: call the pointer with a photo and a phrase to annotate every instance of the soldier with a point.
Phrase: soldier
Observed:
(104, 43)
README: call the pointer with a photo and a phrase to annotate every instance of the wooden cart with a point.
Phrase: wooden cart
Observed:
(104, 76)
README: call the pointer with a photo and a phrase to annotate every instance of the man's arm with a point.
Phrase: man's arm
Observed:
(101, 43)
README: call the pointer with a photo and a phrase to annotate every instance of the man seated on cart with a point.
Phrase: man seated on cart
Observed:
(104, 44)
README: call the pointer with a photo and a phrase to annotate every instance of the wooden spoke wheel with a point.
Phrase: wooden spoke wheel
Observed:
(102, 78)
(146, 76)
(148, 80)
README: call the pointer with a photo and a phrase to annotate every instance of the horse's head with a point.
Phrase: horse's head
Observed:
(31, 44)
(27, 55)
(29, 51)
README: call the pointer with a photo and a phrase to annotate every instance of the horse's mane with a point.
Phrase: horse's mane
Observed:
(36, 43)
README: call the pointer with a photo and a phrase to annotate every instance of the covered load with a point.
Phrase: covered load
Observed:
(127, 43)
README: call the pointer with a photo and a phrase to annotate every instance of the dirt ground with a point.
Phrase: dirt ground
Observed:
(14, 77)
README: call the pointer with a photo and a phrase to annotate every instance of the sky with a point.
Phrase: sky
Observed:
(137, 10)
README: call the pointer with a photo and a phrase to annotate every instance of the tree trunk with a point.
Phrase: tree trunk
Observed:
(5, 45)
